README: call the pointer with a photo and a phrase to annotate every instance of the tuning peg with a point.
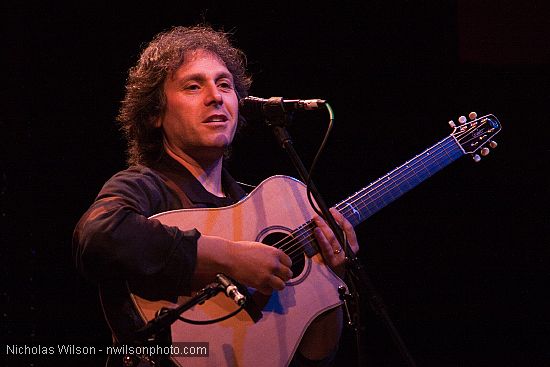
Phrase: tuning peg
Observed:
(493, 144)
(462, 119)
(476, 158)
(485, 151)
(452, 124)
(472, 115)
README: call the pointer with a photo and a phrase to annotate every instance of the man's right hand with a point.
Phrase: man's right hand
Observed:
(253, 264)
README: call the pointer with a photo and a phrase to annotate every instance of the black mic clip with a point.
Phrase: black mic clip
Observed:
(276, 110)
(230, 289)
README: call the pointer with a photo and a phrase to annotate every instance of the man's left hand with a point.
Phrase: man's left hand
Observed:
(333, 253)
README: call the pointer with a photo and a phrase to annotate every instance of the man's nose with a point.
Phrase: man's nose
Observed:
(213, 96)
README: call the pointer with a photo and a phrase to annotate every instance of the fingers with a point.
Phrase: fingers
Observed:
(261, 266)
(329, 245)
(274, 283)
(280, 264)
(285, 259)
(281, 269)
(351, 236)
(325, 246)
(325, 229)
(275, 279)
(277, 283)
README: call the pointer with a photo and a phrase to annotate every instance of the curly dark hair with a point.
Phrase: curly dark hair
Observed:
(144, 100)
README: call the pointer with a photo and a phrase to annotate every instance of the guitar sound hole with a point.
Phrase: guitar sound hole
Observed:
(297, 256)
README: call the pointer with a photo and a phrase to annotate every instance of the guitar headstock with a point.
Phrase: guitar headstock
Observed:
(473, 136)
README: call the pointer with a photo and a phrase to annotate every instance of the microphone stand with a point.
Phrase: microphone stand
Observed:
(167, 316)
(277, 118)
(157, 332)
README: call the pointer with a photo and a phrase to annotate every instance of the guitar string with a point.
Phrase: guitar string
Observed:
(297, 236)
(299, 241)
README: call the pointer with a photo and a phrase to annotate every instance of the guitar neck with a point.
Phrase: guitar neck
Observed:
(468, 138)
(388, 188)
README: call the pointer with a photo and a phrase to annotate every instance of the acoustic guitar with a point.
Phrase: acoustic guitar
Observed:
(277, 212)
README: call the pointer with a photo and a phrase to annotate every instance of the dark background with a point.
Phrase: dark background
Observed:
(461, 261)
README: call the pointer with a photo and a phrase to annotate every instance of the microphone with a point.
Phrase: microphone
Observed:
(231, 289)
(255, 107)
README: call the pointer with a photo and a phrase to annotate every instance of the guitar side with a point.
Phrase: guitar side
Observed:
(278, 205)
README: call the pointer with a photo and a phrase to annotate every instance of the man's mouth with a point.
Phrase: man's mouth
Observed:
(216, 118)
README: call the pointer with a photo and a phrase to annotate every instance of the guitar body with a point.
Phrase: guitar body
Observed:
(278, 205)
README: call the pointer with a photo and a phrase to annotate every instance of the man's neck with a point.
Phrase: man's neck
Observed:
(209, 174)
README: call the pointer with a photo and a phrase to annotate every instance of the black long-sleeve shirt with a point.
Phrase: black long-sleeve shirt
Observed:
(115, 239)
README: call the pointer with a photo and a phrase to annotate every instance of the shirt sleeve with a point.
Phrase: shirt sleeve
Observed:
(115, 239)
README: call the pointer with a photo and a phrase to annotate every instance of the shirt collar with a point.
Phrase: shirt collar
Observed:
(194, 189)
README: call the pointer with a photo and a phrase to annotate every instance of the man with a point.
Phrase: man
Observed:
(179, 115)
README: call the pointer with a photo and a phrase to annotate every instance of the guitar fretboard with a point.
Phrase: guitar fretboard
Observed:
(369, 200)
(390, 187)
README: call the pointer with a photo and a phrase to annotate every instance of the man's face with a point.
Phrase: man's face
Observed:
(201, 110)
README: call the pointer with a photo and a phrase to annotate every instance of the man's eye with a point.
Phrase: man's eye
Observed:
(225, 85)
(192, 87)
